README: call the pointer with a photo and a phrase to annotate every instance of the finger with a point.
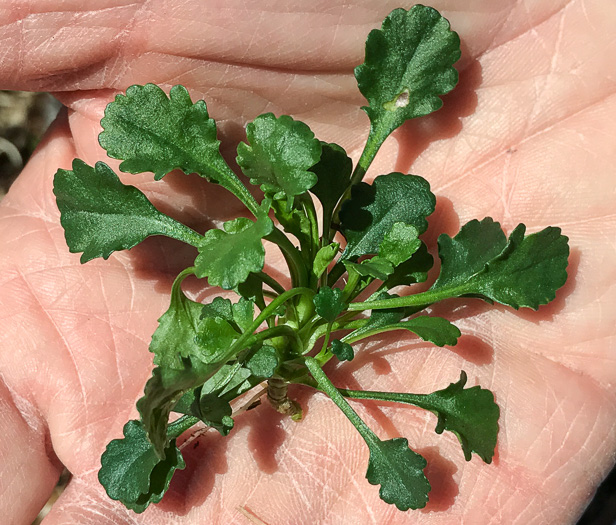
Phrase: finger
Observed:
(27, 472)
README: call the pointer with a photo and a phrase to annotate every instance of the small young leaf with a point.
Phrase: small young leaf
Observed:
(333, 173)
(151, 132)
(100, 215)
(264, 362)
(210, 402)
(414, 270)
(399, 471)
(243, 313)
(216, 412)
(293, 220)
(436, 330)
(323, 258)
(227, 257)
(343, 351)
(409, 63)
(175, 337)
(219, 307)
(214, 337)
(281, 152)
(132, 472)
(328, 303)
(373, 210)
(376, 267)
(471, 414)
(162, 392)
(399, 243)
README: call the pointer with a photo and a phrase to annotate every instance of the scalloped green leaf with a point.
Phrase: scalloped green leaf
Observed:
(523, 271)
(279, 155)
(373, 209)
(399, 471)
(100, 215)
(133, 473)
(183, 332)
(408, 67)
(227, 257)
(328, 303)
(149, 131)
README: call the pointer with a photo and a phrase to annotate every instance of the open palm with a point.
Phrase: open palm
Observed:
(526, 137)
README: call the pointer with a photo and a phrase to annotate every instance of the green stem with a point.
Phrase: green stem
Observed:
(295, 262)
(278, 331)
(271, 282)
(420, 299)
(267, 312)
(311, 213)
(230, 181)
(340, 324)
(327, 386)
(337, 272)
(387, 328)
(350, 286)
(181, 425)
(375, 140)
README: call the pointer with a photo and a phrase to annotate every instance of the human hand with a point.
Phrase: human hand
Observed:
(524, 138)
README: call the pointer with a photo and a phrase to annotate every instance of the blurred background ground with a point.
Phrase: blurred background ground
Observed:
(24, 117)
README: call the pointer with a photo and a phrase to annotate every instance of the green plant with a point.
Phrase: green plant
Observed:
(207, 355)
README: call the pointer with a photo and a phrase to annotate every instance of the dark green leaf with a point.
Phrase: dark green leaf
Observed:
(264, 362)
(399, 471)
(399, 243)
(469, 251)
(408, 65)
(227, 257)
(471, 414)
(433, 329)
(252, 289)
(328, 303)
(373, 210)
(323, 258)
(414, 270)
(243, 313)
(293, 220)
(219, 307)
(162, 392)
(101, 215)
(214, 338)
(528, 272)
(520, 272)
(333, 173)
(216, 412)
(151, 132)
(175, 337)
(343, 351)
(210, 402)
(377, 268)
(132, 472)
(437, 330)
(281, 152)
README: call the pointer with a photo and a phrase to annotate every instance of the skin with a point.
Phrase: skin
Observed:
(526, 137)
